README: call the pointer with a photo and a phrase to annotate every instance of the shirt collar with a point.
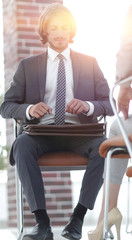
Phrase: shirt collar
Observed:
(53, 54)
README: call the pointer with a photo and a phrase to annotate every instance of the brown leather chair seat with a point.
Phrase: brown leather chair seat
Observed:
(129, 172)
(114, 142)
(62, 161)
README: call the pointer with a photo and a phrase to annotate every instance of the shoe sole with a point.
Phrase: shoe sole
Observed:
(47, 238)
(28, 238)
(66, 235)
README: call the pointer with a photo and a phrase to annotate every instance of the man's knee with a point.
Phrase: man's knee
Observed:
(97, 142)
(95, 148)
(23, 143)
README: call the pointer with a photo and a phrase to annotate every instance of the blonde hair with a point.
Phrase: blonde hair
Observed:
(49, 12)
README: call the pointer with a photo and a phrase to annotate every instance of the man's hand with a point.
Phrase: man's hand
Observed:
(39, 110)
(76, 106)
(124, 97)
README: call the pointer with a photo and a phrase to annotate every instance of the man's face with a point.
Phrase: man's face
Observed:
(58, 33)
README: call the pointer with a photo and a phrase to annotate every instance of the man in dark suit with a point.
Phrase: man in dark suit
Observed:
(32, 97)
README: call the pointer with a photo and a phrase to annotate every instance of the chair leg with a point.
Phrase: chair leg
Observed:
(128, 206)
(105, 230)
(111, 235)
(19, 202)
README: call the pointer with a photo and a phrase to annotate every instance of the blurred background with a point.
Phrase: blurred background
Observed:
(99, 27)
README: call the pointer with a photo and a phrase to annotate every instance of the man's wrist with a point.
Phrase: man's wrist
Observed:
(28, 116)
(91, 109)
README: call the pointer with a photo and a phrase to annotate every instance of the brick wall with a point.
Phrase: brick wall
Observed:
(58, 198)
(21, 40)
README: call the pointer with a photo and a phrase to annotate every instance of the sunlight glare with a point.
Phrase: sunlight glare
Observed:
(99, 27)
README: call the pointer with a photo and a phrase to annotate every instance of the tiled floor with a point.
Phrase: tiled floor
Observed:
(10, 234)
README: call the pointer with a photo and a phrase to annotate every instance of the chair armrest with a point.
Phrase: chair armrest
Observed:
(126, 80)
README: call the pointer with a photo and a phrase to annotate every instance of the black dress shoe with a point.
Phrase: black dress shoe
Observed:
(73, 229)
(39, 232)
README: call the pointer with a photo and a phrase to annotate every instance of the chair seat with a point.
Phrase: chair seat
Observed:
(63, 160)
(129, 172)
(114, 142)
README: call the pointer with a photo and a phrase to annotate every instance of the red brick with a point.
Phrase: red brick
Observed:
(19, 44)
(46, 1)
(56, 215)
(66, 207)
(25, 29)
(22, 21)
(60, 191)
(49, 174)
(26, 7)
(33, 44)
(34, 22)
(37, 52)
(29, 216)
(20, 30)
(63, 199)
(65, 174)
(27, 36)
(56, 183)
(11, 224)
(26, 208)
(26, 1)
(59, 223)
(23, 51)
(51, 207)
(28, 14)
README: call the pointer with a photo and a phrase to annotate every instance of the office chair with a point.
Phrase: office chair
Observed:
(50, 162)
(119, 146)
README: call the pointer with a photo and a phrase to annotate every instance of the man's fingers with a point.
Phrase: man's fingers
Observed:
(39, 110)
(76, 106)
(44, 107)
(73, 108)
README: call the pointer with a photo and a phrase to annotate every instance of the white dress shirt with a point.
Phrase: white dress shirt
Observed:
(51, 85)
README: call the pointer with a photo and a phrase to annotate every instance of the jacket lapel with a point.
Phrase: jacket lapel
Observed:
(42, 65)
(76, 69)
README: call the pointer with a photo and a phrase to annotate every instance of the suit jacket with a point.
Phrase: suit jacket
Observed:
(28, 87)
(124, 56)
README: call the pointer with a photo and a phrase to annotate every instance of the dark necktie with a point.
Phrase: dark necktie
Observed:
(60, 93)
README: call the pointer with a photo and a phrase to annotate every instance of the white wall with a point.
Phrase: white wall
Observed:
(3, 199)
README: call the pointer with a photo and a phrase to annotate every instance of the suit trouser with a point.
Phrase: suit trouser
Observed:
(118, 166)
(27, 149)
